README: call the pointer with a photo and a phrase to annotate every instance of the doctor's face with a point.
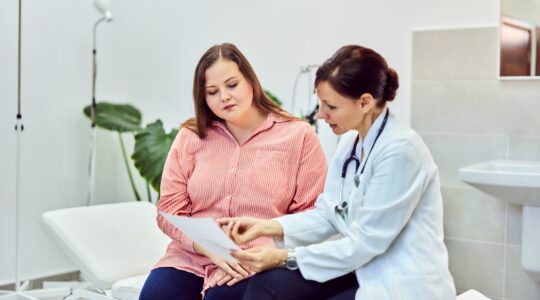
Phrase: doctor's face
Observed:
(341, 113)
(228, 94)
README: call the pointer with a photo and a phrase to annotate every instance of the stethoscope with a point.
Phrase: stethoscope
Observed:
(342, 206)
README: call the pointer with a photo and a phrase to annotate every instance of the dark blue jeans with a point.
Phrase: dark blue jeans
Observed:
(173, 284)
(284, 284)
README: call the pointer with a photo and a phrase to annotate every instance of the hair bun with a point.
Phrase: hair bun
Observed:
(392, 84)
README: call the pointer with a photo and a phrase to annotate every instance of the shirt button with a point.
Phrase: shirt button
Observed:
(229, 197)
(233, 169)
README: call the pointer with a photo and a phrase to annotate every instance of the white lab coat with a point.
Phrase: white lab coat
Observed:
(393, 235)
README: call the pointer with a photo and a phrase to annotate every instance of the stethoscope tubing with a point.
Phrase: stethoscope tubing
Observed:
(342, 206)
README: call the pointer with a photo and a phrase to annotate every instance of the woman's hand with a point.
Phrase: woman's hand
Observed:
(221, 277)
(245, 229)
(261, 258)
(235, 270)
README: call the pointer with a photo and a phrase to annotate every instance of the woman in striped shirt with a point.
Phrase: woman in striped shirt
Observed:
(241, 156)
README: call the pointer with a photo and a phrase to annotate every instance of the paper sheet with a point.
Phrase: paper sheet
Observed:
(205, 232)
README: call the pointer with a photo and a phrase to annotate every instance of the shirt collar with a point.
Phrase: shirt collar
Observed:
(271, 118)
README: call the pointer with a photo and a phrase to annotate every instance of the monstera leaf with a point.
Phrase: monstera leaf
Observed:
(116, 117)
(152, 145)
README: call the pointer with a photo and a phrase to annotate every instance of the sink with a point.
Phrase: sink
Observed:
(511, 180)
(517, 182)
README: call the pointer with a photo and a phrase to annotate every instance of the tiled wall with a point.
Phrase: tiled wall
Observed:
(466, 115)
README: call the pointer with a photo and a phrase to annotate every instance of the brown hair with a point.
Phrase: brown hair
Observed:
(203, 115)
(354, 70)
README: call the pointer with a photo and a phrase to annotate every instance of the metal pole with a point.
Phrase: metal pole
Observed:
(19, 127)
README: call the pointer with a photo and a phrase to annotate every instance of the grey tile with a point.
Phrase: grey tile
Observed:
(455, 54)
(513, 229)
(452, 152)
(73, 276)
(471, 214)
(8, 287)
(486, 107)
(477, 266)
(455, 107)
(38, 283)
(524, 148)
(518, 284)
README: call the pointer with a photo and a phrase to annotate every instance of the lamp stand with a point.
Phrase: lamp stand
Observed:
(93, 108)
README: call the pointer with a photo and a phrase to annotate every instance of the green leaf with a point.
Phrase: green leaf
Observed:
(152, 145)
(116, 117)
(273, 97)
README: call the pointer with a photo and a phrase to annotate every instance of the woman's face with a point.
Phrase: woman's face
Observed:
(341, 113)
(228, 94)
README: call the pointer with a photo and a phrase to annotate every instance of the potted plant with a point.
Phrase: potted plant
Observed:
(152, 143)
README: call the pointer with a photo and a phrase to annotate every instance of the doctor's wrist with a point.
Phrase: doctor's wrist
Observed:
(273, 228)
(290, 260)
(282, 255)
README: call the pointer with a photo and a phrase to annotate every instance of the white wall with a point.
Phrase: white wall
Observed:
(147, 56)
(524, 10)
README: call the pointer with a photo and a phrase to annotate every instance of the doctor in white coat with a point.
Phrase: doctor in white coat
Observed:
(379, 218)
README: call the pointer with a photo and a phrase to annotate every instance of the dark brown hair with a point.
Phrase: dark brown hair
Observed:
(203, 115)
(354, 70)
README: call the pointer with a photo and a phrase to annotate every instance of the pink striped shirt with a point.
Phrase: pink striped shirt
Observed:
(279, 170)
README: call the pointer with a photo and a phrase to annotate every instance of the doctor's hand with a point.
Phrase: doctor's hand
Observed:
(259, 259)
(245, 229)
(235, 270)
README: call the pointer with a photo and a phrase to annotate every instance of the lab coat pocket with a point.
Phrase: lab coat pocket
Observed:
(271, 174)
(356, 202)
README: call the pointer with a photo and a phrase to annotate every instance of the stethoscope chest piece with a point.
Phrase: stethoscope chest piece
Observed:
(342, 209)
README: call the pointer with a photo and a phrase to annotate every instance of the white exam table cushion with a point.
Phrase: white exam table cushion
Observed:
(472, 295)
(129, 288)
(108, 242)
